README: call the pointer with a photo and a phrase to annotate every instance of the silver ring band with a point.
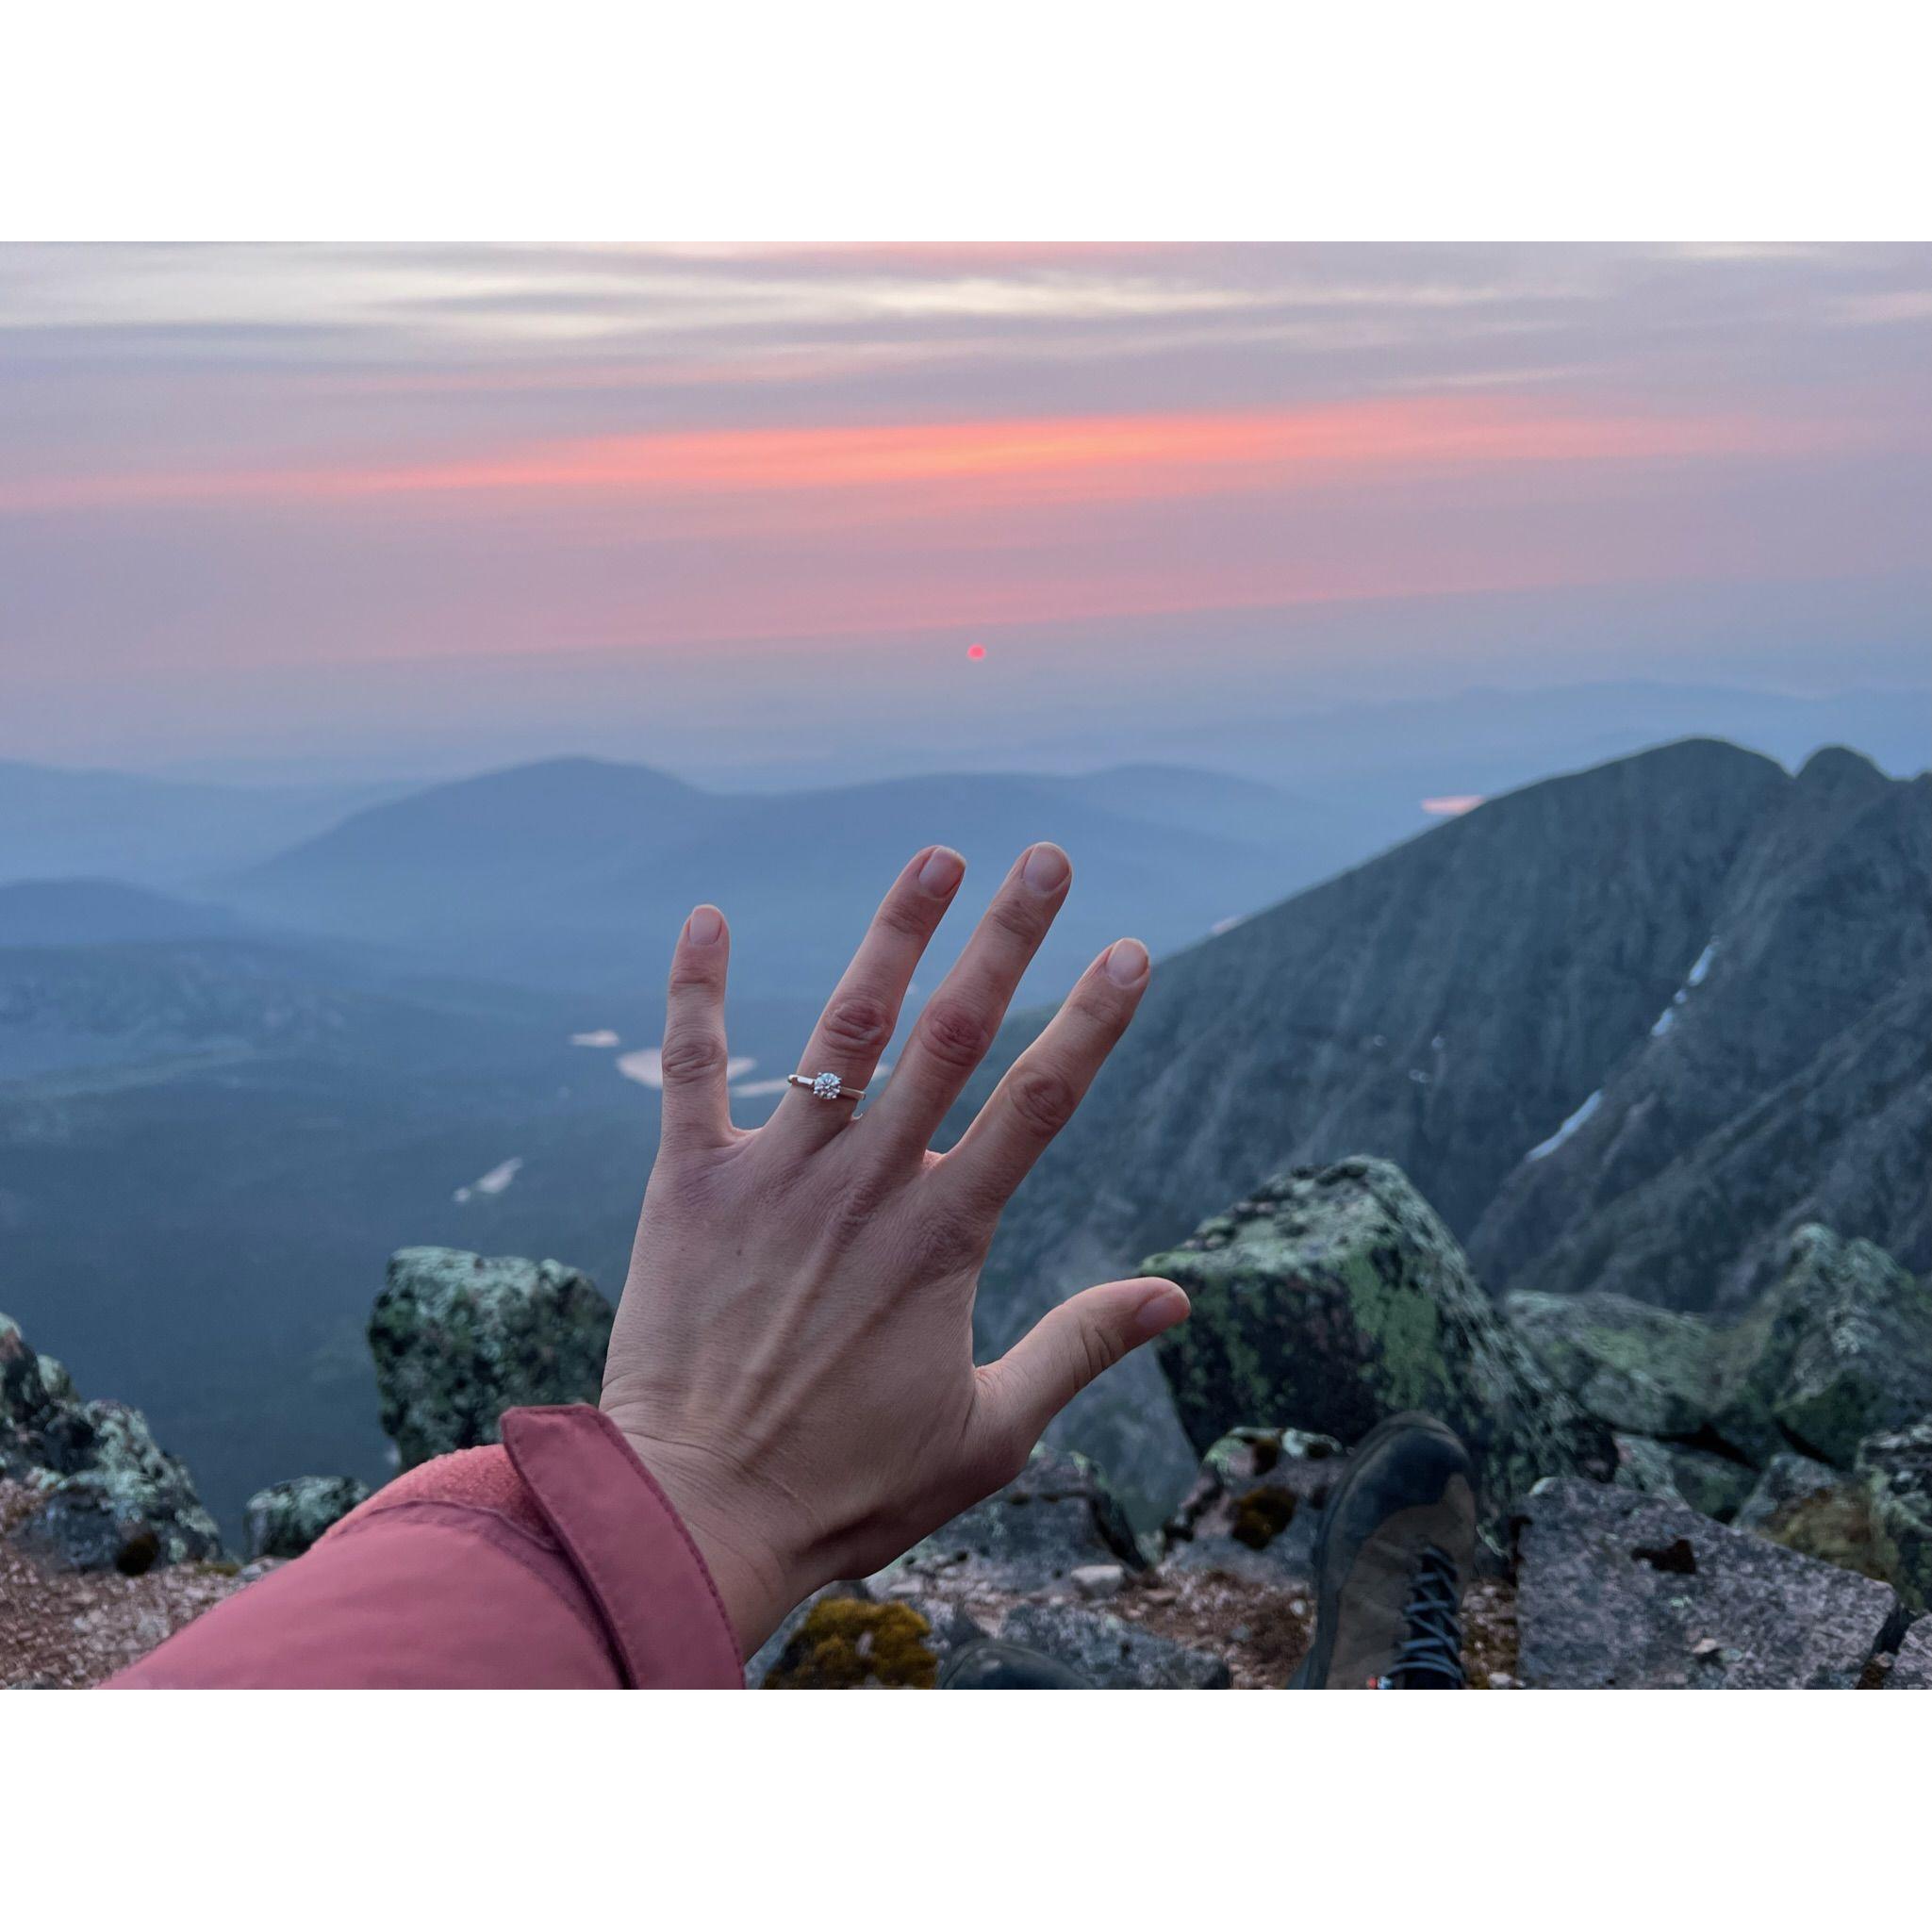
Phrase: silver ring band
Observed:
(825, 1086)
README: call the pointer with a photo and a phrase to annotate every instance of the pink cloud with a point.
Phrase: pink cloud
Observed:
(1084, 459)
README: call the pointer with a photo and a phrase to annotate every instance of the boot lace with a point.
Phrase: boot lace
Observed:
(1430, 1658)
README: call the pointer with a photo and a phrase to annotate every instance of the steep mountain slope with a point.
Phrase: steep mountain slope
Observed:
(574, 872)
(1454, 1004)
(1791, 1081)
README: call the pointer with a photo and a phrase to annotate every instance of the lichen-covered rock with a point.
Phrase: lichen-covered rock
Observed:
(1058, 1515)
(1641, 1369)
(1643, 1463)
(1334, 1298)
(1838, 1349)
(1786, 1480)
(112, 1499)
(1713, 1485)
(1110, 1654)
(1255, 1505)
(286, 1517)
(1896, 1466)
(1619, 1589)
(39, 1408)
(844, 1638)
(458, 1338)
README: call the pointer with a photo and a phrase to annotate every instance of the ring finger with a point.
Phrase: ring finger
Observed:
(860, 1016)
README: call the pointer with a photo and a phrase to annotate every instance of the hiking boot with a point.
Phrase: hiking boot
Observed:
(995, 1666)
(1397, 1547)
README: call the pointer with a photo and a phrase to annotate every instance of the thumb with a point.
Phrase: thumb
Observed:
(1070, 1346)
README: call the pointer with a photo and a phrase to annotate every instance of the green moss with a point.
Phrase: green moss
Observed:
(845, 1645)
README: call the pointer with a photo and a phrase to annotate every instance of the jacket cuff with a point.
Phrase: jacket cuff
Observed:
(658, 1603)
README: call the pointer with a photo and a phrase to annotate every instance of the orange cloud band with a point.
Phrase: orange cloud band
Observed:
(1094, 456)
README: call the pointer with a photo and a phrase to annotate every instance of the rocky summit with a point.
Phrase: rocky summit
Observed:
(1613, 1440)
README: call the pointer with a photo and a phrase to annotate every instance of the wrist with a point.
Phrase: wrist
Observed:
(756, 1581)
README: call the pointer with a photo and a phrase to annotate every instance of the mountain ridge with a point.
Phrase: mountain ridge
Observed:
(1455, 1004)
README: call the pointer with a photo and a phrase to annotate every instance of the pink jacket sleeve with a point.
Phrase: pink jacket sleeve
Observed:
(555, 1561)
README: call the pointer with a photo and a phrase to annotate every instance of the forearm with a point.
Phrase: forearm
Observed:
(555, 1561)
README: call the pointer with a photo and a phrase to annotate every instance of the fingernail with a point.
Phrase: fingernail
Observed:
(1126, 962)
(942, 871)
(1167, 1305)
(705, 925)
(1046, 870)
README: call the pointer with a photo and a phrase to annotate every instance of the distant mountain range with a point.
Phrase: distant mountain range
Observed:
(1623, 1028)
(56, 823)
(102, 912)
(577, 873)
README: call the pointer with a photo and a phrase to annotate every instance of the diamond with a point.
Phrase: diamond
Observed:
(825, 1086)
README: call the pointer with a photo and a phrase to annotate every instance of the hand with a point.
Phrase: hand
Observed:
(792, 1358)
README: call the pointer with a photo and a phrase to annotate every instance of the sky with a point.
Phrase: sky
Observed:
(380, 510)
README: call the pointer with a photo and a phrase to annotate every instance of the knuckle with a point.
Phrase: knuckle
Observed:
(1101, 1007)
(948, 1243)
(955, 1036)
(858, 1022)
(685, 1057)
(1042, 1100)
(1016, 918)
(686, 974)
(857, 1205)
(905, 918)
(1098, 1350)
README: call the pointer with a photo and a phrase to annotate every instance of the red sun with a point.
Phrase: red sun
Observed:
(976, 651)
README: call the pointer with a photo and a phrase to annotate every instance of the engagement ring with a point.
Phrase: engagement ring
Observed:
(825, 1086)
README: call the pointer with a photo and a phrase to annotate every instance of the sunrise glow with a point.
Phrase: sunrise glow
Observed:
(559, 496)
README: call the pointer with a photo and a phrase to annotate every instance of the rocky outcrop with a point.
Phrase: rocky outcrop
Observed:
(1787, 1479)
(1896, 1467)
(1712, 1484)
(1641, 1369)
(110, 1496)
(1255, 1507)
(458, 1338)
(1058, 1515)
(1839, 1346)
(286, 1517)
(1761, 1423)
(1616, 1589)
(1333, 1297)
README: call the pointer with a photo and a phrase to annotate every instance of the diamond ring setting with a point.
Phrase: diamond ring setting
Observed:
(825, 1086)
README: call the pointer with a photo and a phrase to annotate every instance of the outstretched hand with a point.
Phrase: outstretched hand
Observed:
(792, 1358)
